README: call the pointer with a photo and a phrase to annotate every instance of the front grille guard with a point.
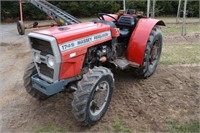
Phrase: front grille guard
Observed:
(56, 54)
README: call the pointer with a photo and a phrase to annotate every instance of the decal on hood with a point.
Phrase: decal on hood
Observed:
(83, 41)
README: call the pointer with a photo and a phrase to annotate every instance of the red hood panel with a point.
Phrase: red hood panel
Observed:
(75, 31)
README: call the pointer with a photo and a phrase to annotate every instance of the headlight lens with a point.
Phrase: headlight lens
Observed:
(50, 62)
(37, 57)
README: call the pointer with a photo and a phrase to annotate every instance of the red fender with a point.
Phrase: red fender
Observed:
(137, 43)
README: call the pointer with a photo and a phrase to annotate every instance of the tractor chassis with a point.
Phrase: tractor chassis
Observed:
(51, 88)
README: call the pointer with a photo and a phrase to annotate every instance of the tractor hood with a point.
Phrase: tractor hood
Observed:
(72, 32)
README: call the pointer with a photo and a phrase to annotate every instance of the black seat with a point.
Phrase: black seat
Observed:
(126, 24)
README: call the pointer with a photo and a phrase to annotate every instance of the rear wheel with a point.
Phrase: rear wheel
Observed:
(93, 95)
(152, 53)
(29, 72)
(20, 27)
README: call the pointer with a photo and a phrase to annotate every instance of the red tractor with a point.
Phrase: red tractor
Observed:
(77, 58)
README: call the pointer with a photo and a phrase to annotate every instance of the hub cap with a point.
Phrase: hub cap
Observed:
(100, 98)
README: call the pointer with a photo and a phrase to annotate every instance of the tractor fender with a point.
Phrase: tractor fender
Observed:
(138, 40)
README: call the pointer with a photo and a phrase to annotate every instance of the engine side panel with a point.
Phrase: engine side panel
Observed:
(73, 42)
(72, 61)
(137, 43)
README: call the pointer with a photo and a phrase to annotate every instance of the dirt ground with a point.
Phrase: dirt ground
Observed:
(138, 105)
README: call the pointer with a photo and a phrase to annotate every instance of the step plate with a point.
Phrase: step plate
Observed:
(121, 63)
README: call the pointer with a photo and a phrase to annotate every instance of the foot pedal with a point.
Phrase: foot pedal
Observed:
(121, 63)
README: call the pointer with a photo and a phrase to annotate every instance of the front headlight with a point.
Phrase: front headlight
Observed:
(50, 62)
(37, 57)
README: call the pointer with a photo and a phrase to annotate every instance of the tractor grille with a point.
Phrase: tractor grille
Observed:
(45, 70)
(43, 48)
(41, 45)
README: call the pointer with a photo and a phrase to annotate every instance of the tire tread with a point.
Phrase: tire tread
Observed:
(83, 92)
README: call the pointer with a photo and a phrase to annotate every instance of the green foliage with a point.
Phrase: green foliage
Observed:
(120, 126)
(8, 10)
(138, 5)
(49, 128)
(32, 13)
(88, 9)
(193, 7)
(192, 126)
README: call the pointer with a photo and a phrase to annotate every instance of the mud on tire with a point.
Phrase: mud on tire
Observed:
(152, 53)
(29, 71)
(88, 89)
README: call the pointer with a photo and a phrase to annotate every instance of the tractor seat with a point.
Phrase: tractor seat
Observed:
(126, 24)
(124, 32)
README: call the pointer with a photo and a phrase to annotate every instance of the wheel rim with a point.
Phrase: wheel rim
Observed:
(100, 98)
(154, 54)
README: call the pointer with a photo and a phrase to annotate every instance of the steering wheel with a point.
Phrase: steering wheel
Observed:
(101, 16)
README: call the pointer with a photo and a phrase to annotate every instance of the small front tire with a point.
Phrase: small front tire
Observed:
(93, 95)
(29, 72)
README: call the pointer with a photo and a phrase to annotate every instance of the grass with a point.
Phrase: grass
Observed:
(192, 126)
(180, 54)
(176, 29)
(49, 128)
(120, 126)
(173, 19)
(183, 51)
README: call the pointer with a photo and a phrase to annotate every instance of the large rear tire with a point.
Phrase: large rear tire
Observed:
(152, 53)
(20, 28)
(93, 95)
(29, 72)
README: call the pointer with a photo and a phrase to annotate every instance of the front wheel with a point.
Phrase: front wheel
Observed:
(93, 95)
(29, 72)
(152, 53)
